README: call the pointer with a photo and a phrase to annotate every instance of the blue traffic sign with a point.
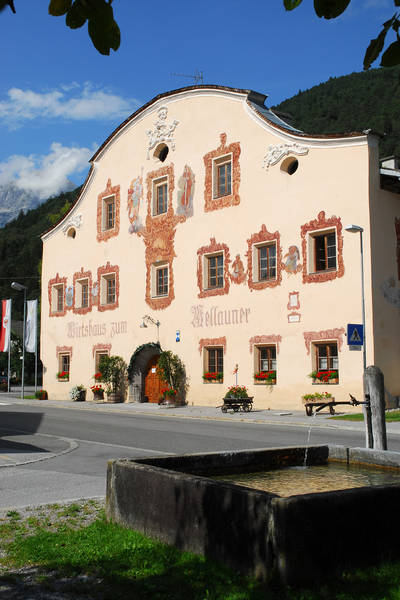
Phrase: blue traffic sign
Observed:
(355, 334)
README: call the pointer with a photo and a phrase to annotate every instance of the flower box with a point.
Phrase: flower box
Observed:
(265, 377)
(63, 376)
(213, 377)
(326, 377)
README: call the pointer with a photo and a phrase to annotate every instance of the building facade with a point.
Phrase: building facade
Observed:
(226, 226)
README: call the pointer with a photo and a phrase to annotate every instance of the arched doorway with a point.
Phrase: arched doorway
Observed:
(152, 382)
(142, 377)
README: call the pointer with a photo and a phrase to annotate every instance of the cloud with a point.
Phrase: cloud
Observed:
(72, 102)
(45, 175)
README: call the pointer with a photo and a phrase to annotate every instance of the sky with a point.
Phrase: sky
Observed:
(60, 99)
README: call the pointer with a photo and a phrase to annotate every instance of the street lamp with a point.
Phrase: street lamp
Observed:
(147, 319)
(366, 410)
(22, 288)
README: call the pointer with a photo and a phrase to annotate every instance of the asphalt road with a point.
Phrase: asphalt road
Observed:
(91, 438)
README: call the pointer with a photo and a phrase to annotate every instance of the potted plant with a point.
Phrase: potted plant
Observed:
(213, 376)
(41, 394)
(172, 371)
(330, 376)
(98, 392)
(78, 393)
(114, 376)
(237, 391)
(63, 375)
(265, 377)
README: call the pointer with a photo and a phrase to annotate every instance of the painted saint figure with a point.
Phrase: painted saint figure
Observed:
(135, 194)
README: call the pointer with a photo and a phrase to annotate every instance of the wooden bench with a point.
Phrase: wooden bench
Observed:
(236, 404)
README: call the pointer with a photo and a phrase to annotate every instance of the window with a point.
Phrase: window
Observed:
(215, 271)
(64, 360)
(323, 252)
(108, 289)
(160, 196)
(98, 357)
(82, 293)
(266, 262)
(213, 364)
(162, 281)
(57, 300)
(222, 177)
(108, 213)
(265, 364)
(326, 357)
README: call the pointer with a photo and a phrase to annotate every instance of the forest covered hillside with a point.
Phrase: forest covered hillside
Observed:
(21, 247)
(367, 100)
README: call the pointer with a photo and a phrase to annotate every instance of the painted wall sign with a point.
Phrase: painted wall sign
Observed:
(78, 330)
(216, 316)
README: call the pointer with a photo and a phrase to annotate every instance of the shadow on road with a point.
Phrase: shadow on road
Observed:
(14, 424)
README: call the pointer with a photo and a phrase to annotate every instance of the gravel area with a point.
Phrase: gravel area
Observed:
(33, 582)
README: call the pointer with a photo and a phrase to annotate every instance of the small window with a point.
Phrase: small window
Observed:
(162, 281)
(108, 289)
(160, 196)
(290, 165)
(64, 361)
(71, 233)
(97, 360)
(108, 213)
(161, 152)
(266, 262)
(223, 177)
(324, 251)
(58, 298)
(215, 271)
(82, 293)
(326, 357)
(213, 364)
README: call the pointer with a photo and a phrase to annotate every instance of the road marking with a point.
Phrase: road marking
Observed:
(126, 447)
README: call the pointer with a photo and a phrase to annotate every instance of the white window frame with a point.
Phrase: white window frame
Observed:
(219, 162)
(312, 235)
(157, 183)
(106, 202)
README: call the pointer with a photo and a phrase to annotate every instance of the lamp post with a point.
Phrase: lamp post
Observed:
(147, 319)
(366, 409)
(22, 288)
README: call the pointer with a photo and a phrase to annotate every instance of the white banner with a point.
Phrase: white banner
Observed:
(31, 326)
(5, 325)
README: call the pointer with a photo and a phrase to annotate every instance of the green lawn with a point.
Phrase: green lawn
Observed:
(391, 417)
(106, 561)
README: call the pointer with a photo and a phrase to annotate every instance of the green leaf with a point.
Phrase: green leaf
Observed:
(103, 30)
(59, 7)
(76, 16)
(376, 46)
(330, 9)
(391, 56)
(291, 4)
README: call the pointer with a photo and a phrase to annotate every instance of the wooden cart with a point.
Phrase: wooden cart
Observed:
(236, 404)
(317, 405)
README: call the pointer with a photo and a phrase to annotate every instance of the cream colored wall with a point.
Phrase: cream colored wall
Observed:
(385, 208)
(333, 177)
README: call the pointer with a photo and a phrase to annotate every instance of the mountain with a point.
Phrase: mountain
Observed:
(367, 100)
(14, 199)
(21, 247)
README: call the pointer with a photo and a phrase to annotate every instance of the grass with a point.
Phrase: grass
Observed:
(391, 417)
(106, 561)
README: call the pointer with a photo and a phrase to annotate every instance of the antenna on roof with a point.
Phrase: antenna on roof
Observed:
(197, 77)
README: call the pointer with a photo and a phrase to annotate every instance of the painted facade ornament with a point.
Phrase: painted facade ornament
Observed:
(95, 291)
(135, 195)
(322, 222)
(322, 336)
(75, 221)
(206, 342)
(211, 202)
(69, 295)
(291, 261)
(397, 226)
(101, 347)
(238, 273)
(111, 190)
(390, 292)
(186, 192)
(265, 339)
(161, 132)
(253, 242)
(212, 248)
(276, 152)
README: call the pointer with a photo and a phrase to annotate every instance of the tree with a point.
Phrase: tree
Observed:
(103, 29)
(330, 9)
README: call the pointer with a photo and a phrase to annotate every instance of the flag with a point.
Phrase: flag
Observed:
(5, 325)
(31, 326)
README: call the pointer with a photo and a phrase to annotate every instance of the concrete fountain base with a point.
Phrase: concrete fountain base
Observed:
(297, 539)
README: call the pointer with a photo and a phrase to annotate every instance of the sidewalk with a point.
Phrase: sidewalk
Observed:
(25, 448)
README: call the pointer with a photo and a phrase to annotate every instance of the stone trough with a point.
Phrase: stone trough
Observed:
(298, 539)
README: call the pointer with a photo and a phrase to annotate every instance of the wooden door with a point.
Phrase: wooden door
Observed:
(152, 383)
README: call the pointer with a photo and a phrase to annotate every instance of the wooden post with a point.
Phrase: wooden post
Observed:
(374, 387)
